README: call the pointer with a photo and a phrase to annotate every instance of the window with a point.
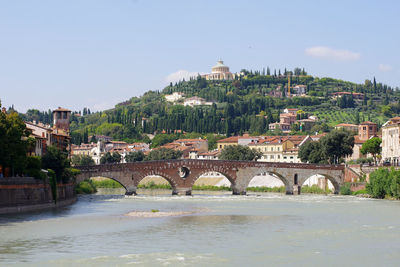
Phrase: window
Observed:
(284, 157)
(291, 157)
(272, 157)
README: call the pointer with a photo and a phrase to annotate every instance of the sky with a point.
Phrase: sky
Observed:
(97, 53)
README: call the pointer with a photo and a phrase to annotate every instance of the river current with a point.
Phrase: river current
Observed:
(215, 229)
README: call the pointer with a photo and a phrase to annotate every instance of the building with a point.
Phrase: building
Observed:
(220, 72)
(209, 155)
(189, 147)
(174, 97)
(280, 148)
(359, 96)
(300, 89)
(391, 141)
(366, 130)
(196, 101)
(347, 126)
(288, 118)
(292, 111)
(45, 135)
(284, 127)
(60, 135)
(230, 141)
(306, 125)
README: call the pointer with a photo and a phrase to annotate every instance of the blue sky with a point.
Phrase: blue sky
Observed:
(96, 53)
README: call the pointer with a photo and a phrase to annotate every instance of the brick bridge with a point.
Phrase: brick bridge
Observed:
(182, 174)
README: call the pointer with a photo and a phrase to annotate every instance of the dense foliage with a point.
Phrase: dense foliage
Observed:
(108, 158)
(372, 146)
(164, 153)
(331, 148)
(14, 143)
(82, 160)
(384, 183)
(239, 152)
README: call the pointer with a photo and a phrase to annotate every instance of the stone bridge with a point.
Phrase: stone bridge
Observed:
(183, 173)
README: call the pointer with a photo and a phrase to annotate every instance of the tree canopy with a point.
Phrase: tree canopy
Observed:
(164, 153)
(372, 146)
(239, 152)
(329, 149)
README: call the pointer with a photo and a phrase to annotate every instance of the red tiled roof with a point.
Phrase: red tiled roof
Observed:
(232, 139)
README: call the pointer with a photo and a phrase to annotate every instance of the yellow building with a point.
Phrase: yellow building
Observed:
(230, 141)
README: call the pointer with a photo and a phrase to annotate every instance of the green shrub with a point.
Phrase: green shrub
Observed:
(85, 187)
(153, 185)
(360, 192)
(345, 189)
(107, 183)
(280, 189)
(314, 189)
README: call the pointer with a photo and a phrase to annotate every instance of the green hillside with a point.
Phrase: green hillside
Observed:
(242, 105)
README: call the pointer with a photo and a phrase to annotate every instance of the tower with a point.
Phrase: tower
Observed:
(61, 117)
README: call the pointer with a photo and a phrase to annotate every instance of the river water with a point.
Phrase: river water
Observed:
(218, 230)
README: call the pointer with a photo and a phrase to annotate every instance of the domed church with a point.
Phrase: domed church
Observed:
(220, 72)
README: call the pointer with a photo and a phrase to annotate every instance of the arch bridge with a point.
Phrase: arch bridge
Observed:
(183, 173)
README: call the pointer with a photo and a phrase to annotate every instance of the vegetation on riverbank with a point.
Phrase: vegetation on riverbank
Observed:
(85, 187)
(106, 183)
(384, 183)
(314, 189)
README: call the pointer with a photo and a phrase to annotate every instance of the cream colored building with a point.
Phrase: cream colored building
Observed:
(391, 141)
(220, 72)
(174, 97)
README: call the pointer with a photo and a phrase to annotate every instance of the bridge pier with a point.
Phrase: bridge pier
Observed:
(182, 191)
(130, 190)
(296, 190)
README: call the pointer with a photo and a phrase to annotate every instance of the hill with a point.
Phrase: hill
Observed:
(247, 104)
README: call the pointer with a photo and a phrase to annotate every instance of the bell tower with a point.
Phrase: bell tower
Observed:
(61, 117)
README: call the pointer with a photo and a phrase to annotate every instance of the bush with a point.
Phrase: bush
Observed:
(107, 183)
(345, 189)
(280, 189)
(314, 189)
(384, 183)
(85, 187)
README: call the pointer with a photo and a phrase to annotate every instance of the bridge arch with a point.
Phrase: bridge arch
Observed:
(165, 176)
(110, 178)
(334, 181)
(273, 173)
(203, 173)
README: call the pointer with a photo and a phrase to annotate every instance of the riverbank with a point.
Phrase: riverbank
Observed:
(24, 194)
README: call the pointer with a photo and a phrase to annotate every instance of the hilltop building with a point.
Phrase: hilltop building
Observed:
(220, 72)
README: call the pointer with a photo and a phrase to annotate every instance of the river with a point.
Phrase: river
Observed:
(215, 229)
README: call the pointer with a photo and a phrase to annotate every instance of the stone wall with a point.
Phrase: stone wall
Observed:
(19, 194)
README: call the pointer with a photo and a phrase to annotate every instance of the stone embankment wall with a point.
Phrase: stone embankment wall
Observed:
(22, 194)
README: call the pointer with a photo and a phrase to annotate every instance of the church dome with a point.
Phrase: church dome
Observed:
(220, 67)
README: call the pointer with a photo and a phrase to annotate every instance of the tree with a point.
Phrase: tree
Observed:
(13, 142)
(239, 152)
(372, 146)
(56, 160)
(163, 154)
(337, 144)
(109, 158)
(329, 149)
(135, 156)
(311, 152)
(82, 160)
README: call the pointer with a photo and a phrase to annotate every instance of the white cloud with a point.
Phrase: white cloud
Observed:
(180, 75)
(384, 67)
(325, 52)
